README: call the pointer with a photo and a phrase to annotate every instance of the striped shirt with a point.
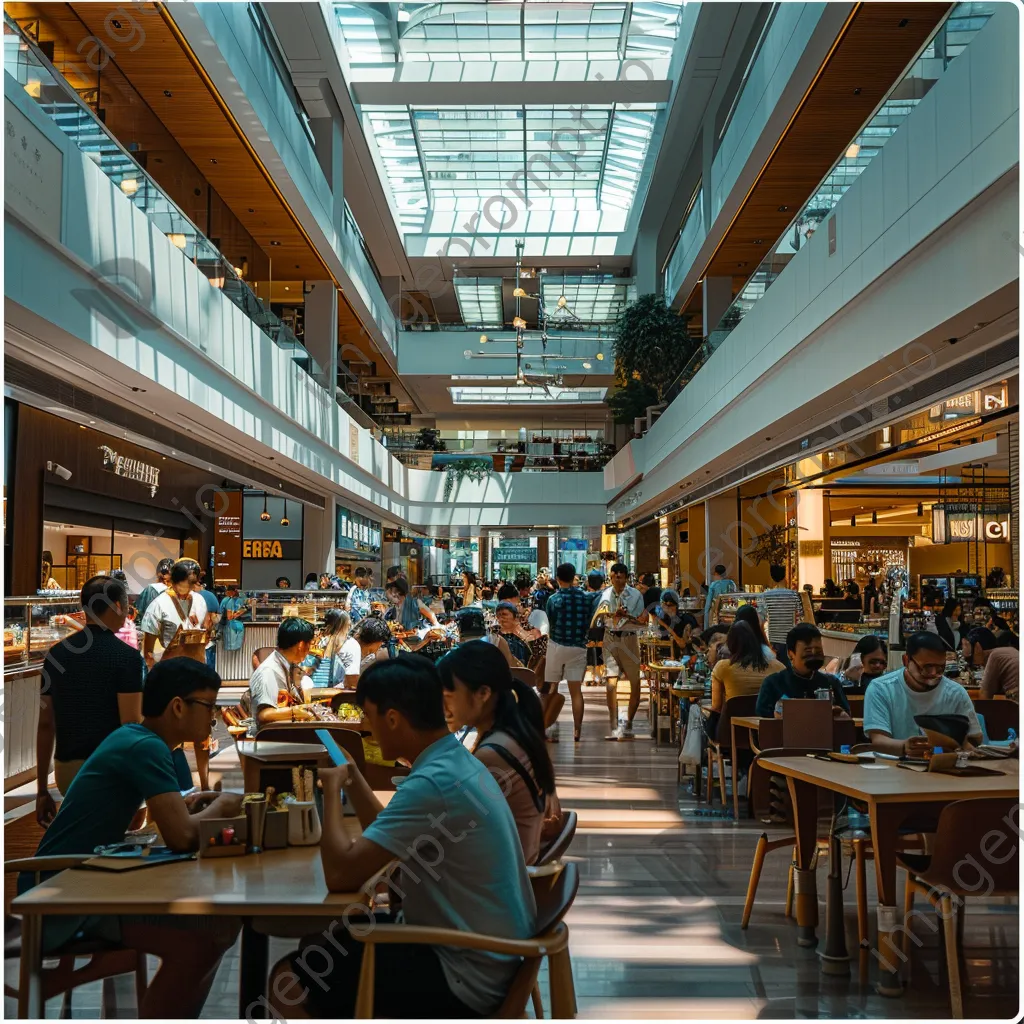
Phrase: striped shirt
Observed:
(783, 607)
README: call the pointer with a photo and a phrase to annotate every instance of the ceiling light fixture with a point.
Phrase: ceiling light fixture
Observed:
(586, 366)
(265, 515)
(285, 521)
(129, 186)
(852, 151)
(177, 240)
(874, 518)
(562, 302)
(483, 339)
(600, 356)
(520, 293)
(519, 323)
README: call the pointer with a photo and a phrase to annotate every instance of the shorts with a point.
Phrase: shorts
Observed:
(622, 656)
(409, 980)
(569, 663)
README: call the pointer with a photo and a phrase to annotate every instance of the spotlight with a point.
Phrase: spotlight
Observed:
(600, 356)
(265, 515)
(483, 339)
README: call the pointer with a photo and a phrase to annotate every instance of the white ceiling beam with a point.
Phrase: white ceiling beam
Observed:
(509, 93)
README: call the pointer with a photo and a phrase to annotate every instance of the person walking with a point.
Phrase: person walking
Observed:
(720, 584)
(621, 648)
(569, 612)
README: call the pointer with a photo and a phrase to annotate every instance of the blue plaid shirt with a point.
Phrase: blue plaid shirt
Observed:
(358, 603)
(569, 612)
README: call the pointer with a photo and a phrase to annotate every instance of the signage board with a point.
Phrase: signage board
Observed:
(131, 469)
(354, 532)
(227, 541)
(33, 172)
(517, 555)
(276, 550)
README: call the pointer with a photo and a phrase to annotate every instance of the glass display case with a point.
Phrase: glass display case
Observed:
(33, 624)
(275, 605)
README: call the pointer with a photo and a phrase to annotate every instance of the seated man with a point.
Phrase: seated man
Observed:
(804, 676)
(281, 671)
(462, 867)
(919, 688)
(1000, 661)
(134, 764)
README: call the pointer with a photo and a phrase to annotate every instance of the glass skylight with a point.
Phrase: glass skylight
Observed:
(505, 31)
(592, 299)
(480, 300)
(526, 395)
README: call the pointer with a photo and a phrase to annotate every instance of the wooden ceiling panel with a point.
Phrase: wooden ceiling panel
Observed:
(878, 43)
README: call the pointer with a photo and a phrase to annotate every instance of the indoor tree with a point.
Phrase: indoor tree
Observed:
(651, 345)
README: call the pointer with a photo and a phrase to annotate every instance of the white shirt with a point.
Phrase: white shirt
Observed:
(631, 601)
(346, 661)
(162, 618)
(539, 620)
(890, 705)
(269, 678)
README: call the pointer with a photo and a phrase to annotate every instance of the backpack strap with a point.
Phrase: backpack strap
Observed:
(517, 766)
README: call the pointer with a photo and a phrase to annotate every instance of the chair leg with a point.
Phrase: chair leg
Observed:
(862, 894)
(563, 991)
(948, 912)
(108, 1001)
(755, 877)
(364, 994)
(711, 777)
(141, 980)
(538, 1001)
(721, 777)
(791, 884)
(908, 907)
(65, 1005)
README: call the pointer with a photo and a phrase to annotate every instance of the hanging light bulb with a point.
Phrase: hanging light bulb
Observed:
(852, 151)
(586, 366)
(129, 186)
(562, 302)
(285, 521)
(265, 515)
(600, 357)
(519, 323)
(483, 339)
(519, 293)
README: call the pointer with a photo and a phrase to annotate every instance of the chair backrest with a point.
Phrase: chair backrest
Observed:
(554, 894)
(525, 675)
(39, 866)
(1000, 717)
(976, 847)
(804, 721)
(561, 842)
(757, 779)
(284, 732)
(735, 707)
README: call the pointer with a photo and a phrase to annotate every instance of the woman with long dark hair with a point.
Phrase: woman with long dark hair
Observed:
(742, 672)
(470, 589)
(481, 692)
(748, 613)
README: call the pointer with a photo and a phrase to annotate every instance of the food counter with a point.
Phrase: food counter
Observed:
(31, 626)
(725, 606)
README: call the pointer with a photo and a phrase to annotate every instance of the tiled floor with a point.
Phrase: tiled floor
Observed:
(655, 928)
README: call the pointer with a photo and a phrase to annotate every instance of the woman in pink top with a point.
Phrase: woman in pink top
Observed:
(481, 692)
(128, 633)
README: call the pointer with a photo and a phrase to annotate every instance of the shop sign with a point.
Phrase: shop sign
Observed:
(356, 532)
(272, 549)
(131, 469)
(392, 536)
(33, 172)
(956, 524)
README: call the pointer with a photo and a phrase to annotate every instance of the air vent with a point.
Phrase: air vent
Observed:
(60, 392)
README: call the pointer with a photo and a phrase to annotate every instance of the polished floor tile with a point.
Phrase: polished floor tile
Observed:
(656, 925)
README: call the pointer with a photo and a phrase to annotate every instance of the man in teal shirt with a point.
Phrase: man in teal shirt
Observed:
(720, 584)
(462, 866)
(234, 608)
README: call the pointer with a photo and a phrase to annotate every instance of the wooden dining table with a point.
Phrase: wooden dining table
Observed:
(894, 796)
(273, 887)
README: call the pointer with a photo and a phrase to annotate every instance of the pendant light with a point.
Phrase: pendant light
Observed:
(920, 510)
(265, 515)
(285, 521)
(853, 520)
(874, 518)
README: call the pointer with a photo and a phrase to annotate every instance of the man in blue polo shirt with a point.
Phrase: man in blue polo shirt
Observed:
(462, 867)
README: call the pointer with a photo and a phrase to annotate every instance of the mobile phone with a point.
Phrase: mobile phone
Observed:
(855, 659)
(334, 752)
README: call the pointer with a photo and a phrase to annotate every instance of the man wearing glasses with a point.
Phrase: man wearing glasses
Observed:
(919, 688)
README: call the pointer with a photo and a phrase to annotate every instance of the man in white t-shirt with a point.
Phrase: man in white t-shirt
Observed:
(169, 616)
(919, 688)
(345, 672)
(281, 671)
(621, 648)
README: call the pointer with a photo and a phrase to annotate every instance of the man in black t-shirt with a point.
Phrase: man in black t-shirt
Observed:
(804, 676)
(91, 685)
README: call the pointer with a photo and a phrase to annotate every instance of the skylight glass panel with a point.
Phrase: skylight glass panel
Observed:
(526, 395)
(479, 300)
(597, 299)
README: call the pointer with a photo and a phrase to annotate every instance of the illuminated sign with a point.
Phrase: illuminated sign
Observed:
(131, 469)
(272, 549)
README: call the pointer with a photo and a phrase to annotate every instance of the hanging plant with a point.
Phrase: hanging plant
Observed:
(771, 546)
(651, 344)
(476, 470)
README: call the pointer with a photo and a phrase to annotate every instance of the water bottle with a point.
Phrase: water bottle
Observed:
(845, 748)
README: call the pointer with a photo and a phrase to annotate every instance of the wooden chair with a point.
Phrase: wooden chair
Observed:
(561, 842)
(720, 748)
(554, 892)
(1000, 716)
(964, 830)
(105, 960)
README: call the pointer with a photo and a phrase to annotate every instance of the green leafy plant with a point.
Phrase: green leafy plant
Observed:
(651, 344)
(476, 470)
(429, 440)
(631, 401)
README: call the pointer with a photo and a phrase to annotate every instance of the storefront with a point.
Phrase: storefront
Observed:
(357, 542)
(85, 502)
(258, 541)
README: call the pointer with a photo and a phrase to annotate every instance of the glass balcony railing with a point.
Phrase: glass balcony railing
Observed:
(30, 68)
(951, 38)
(690, 236)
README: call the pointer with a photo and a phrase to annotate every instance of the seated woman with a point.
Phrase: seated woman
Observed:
(516, 637)
(868, 660)
(372, 635)
(742, 672)
(480, 692)
(749, 614)
(338, 665)
(408, 611)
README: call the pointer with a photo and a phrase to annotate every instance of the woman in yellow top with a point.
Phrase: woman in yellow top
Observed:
(743, 671)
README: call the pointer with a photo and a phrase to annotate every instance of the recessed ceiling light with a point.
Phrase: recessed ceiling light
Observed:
(252, 209)
(856, 92)
(586, 366)
(213, 160)
(783, 209)
(275, 243)
(168, 93)
(758, 241)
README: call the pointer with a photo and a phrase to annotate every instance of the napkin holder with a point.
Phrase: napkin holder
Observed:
(210, 828)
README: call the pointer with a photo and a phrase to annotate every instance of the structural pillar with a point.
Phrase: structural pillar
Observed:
(645, 265)
(329, 145)
(321, 331)
(723, 537)
(810, 519)
(318, 537)
(717, 299)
